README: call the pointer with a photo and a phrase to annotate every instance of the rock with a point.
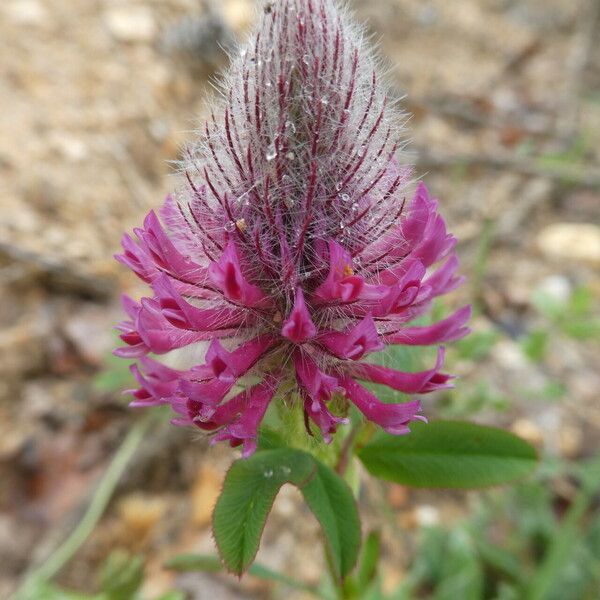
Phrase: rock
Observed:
(200, 42)
(555, 287)
(131, 23)
(140, 513)
(529, 431)
(427, 515)
(570, 441)
(574, 241)
(238, 14)
(88, 329)
(26, 12)
(199, 586)
(397, 496)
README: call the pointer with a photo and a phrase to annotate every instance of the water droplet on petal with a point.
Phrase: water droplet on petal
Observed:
(344, 197)
(306, 59)
(324, 100)
(290, 156)
(355, 207)
(271, 152)
(268, 473)
(338, 186)
(229, 226)
(289, 126)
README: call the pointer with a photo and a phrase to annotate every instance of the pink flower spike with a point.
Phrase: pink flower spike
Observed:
(299, 327)
(227, 275)
(288, 246)
(393, 418)
(354, 343)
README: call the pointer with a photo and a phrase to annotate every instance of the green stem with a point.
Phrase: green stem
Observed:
(346, 451)
(61, 556)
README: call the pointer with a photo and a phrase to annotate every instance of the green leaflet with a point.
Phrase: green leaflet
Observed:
(449, 454)
(248, 494)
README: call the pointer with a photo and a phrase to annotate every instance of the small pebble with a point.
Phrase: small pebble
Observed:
(571, 241)
(131, 23)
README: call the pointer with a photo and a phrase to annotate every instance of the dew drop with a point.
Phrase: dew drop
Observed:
(324, 101)
(355, 207)
(344, 197)
(361, 150)
(229, 226)
(271, 152)
(306, 59)
(286, 470)
(268, 473)
(286, 179)
(338, 186)
(289, 126)
(290, 156)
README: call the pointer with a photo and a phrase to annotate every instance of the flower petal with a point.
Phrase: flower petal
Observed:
(354, 343)
(409, 383)
(447, 330)
(299, 327)
(227, 275)
(244, 431)
(393, 418)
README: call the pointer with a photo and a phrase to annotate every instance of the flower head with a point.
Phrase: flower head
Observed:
(289, 245)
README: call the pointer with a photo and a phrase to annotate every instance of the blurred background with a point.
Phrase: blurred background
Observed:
(98, 96)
